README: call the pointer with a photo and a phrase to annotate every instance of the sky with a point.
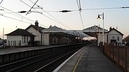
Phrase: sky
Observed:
(117, 18)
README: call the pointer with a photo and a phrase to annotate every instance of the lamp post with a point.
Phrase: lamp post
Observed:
(97, 30)
(102, 15)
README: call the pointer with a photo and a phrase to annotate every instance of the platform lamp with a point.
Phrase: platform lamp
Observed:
(99, 17)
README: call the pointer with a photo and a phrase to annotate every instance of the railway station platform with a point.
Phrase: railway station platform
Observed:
(88, 59)
(18, 54)
(23, 49)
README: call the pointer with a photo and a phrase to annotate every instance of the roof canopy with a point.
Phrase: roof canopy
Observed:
(94, 29)
(55, 29)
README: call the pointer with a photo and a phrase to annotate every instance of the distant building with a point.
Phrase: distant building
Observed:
(94, 30)
(113, 35)
(55, 35)
(37, 31)
(20, 37)
(126, 39)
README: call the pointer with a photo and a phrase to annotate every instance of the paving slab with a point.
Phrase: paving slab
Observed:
(89, 59)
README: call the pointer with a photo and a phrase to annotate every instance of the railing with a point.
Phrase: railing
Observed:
(118, 53)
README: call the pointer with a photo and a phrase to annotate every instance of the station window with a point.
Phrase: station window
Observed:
(24, 39)
(118, 38)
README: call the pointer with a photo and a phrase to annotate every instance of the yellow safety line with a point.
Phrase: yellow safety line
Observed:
(75, 67)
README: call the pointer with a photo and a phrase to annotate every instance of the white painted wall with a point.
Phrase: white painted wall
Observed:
(36, 33)
(45, 39)
(109, 36)
(100, 38)
(15, 40)
(114, 35)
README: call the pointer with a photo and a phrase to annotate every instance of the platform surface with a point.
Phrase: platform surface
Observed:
(88, 59)
(22, 49)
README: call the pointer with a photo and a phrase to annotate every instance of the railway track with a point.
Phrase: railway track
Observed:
(49, 67)
(41, 63)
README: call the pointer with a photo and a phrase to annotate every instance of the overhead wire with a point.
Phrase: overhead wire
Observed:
(1, 1)
(107, 8)
(13, 18)
(52, 16)
(18, 15)
(36, 5)
(43, 14)
(79, 8)
(31, 7)
(40, 13)
(95, 9)
(14, 13)
(78, 3)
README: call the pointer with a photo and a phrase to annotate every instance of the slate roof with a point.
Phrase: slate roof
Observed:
(94, 28)
(58, 30)
(54, 29)
(115, 30)
(36, 28)
(126, 38)
(77, 33)
(20, 32)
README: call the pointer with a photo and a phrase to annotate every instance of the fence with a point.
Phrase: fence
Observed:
(118, 54)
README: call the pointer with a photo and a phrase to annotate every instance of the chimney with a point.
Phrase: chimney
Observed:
(116, 28)
(50, 26)
(36, 23)
(110, 28)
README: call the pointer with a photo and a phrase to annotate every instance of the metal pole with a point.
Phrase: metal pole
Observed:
(103, 28)
(99, 36)
(3, 33)
(3, 38)
(103, 31)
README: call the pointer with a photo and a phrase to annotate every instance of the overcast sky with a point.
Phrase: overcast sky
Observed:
(113, 17)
